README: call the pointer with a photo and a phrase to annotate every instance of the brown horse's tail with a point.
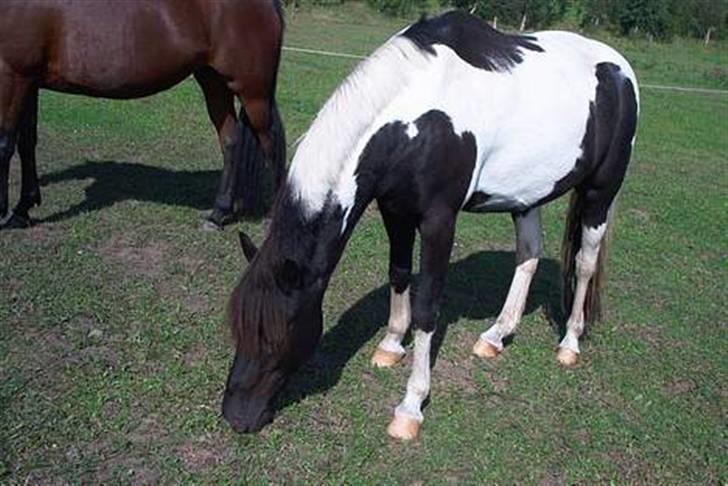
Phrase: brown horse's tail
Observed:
(593, 306)
(252, 159)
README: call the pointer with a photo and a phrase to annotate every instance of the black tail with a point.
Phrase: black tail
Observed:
(279, 146)
(252, 159)
(571, 244)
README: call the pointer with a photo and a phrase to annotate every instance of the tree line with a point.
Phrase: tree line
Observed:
(655, 19)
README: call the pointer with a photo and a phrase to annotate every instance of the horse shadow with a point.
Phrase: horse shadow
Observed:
(115, 182)
(476, 289)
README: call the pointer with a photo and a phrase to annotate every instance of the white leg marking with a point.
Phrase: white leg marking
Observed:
(418, 385)
(7, 217)
(586, 262)
(513, 308)
(400, 315)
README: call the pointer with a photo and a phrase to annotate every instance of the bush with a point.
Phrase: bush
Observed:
(401, 7)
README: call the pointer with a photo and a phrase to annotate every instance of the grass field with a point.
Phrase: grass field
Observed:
(113, 352)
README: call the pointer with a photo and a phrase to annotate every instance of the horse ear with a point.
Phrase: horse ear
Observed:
(249, 248)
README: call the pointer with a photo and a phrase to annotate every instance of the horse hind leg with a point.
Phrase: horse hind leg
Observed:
(529, 248)
(401, 232)
(221, 110)
(588, 218)
(584, 262)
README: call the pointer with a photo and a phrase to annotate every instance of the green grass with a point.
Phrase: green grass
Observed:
(113, 353)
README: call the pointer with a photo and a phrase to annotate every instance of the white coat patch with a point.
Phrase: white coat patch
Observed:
(528, 123)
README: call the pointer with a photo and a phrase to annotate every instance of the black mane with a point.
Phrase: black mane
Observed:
(474, 41)
(290, 269)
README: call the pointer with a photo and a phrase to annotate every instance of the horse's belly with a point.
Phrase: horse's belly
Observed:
(507, 183)
(123, 50)
(121, 87)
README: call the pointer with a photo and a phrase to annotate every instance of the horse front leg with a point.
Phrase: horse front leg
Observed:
(13, 92)
(401, 232)
(437, 232)
(529, 247)
(7, 148)
(27, 141)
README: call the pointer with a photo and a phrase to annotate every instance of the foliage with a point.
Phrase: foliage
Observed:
(658, 19)
(538, 13)
(398, 7)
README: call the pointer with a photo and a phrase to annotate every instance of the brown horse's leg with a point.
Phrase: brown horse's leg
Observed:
(13, 90)
(27, 141)
(221, 108)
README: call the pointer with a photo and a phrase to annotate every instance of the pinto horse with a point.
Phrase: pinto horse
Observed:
(114, 49)
(448, 115)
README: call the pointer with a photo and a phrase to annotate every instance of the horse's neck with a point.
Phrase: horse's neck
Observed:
(315, 241)
(327, 157)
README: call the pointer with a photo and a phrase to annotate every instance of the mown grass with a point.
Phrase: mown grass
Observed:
(113, 354)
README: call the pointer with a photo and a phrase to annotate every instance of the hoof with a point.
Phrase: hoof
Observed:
(567, 357)
(386, 359)
(403, 428)
(210, 226)
(483, 349)
(15, 221)
(216, 218)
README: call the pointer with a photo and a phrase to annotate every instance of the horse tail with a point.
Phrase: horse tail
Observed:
(571, 244)
(250, 161)
(278, 134)
(278, 5)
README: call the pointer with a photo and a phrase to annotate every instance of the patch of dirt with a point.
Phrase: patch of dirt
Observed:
(148, 431)
(642, 215)
(194, 303)
(190, 264)
(105, 354)
(499, 384)
(43, 476)
(146, 260)
(629, 467)
(195, 356)
(203, 453)
(680, 386)
(552, 478)
(651, 334)
(12, 288)
(455, 372)
(134, 470)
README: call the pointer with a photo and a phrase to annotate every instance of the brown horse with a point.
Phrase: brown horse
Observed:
(131, 49)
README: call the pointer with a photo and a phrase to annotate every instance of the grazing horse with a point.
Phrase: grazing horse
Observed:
(448, 115)
(119, 49)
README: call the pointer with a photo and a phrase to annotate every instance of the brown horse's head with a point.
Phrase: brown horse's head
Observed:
(276, 321)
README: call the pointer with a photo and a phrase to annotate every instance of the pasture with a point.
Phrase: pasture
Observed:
(113, 352)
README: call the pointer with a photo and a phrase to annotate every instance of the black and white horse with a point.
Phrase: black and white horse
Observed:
(448, 115)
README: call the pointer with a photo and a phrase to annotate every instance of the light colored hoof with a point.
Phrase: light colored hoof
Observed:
(483, 349)
(386, 359)
(210, 227)
(403, 428)
(567, 357)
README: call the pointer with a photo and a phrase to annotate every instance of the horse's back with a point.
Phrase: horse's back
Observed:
(532, 122)
(122, 49)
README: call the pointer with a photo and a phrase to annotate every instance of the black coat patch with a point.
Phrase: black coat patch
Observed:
(411, 176)
(611, 124)
(472, 39)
